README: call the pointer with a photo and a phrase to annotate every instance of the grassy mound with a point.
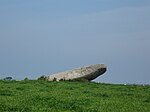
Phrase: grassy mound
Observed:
(43, 96)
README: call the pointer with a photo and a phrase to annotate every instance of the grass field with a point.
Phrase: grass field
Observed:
(43, 96)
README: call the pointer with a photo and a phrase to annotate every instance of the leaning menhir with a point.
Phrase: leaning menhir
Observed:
(88, 73)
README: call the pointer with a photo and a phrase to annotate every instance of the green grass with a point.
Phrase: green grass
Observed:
(43, 96)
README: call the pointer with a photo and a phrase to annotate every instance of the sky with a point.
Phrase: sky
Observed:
(42, 37)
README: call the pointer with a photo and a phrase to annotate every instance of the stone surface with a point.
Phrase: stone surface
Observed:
(88, 73)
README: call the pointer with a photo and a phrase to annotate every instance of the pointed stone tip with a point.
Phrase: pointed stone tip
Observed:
(100, 65)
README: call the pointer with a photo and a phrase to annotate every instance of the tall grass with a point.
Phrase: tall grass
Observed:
(44, 96)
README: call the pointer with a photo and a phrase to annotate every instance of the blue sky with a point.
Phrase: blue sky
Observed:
(45, 37)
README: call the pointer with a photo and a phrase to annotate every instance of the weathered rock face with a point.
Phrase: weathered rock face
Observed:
(88, 73)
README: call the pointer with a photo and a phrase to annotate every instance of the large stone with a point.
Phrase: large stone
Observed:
(88, 73)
